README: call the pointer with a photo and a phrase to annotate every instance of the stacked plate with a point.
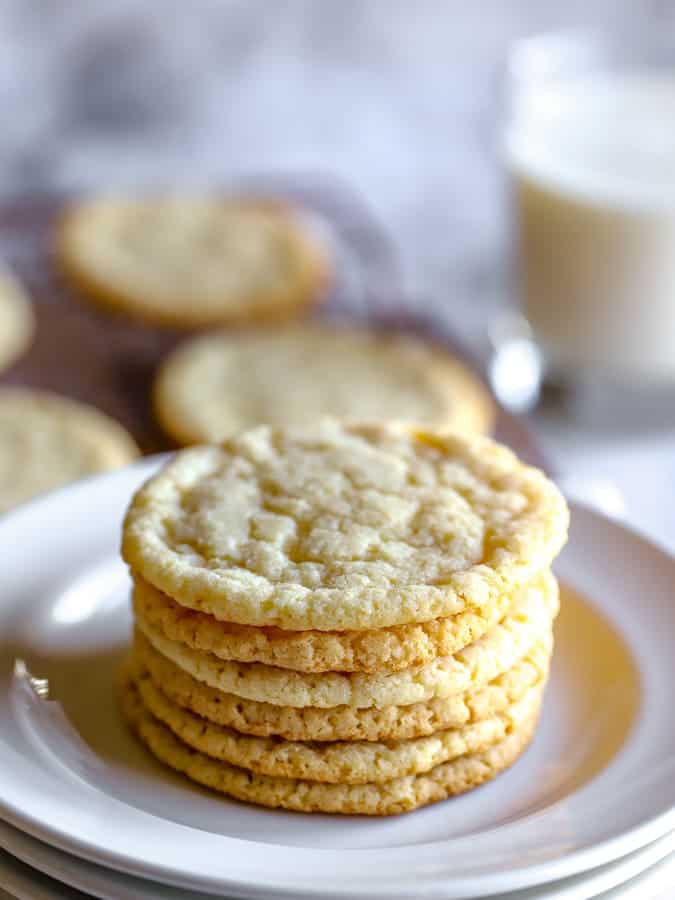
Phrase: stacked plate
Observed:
(590, 805)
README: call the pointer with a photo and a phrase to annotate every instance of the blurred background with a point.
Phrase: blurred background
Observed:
(402, 101)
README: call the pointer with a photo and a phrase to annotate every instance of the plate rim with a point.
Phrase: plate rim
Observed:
(38, 855)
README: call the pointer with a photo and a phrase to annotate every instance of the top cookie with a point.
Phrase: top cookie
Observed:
(16, 320)
(47, 441)
(219, 384)
(191, 261)
(335, 526)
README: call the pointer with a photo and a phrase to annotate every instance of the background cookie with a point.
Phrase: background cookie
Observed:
(342, 723)
(388, 798)
(47, 441)
(191, 261)
(16, 319)
(370, 650)
(219, 384)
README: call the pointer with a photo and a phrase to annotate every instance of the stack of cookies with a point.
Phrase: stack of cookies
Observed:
(341, 618)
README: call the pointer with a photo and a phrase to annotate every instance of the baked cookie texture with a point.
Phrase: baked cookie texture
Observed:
(343, 723)
(17, 322)
(217, 385)
(373, 799)
(192, 261)
(337, 527)
(368, 650)
(47, 441)
(341, 617)
(483, 660)
(336, 762)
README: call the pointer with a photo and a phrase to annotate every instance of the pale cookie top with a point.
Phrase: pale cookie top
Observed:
(333, 526)
(219, 384)
(16, 320)
(47, 441)
(191, 260)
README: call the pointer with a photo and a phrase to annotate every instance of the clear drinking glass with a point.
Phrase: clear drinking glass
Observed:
(589, 149)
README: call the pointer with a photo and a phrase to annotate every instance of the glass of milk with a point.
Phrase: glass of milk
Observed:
(589, 146)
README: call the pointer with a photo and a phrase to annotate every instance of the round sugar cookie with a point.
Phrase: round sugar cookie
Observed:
(343, 723)
(374, 799)
(47, 441)
(335, 526)
(17, 321)
(529, 617)
(192, 261)
(371, 650)
(342, 762)
(217, 385)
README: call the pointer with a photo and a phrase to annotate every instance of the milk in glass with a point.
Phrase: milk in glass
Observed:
(592, 159)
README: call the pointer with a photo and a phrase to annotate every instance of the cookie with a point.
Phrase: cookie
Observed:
(192, 261)
(335, 526)
(16, 320)
(529, 618)
(217, 385)
(374, 799)
(346, 762)
(373, 650)
(47, 441)
(343, 723)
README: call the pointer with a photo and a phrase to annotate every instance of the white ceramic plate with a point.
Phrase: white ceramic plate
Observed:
(597, 783)
(37, 871)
